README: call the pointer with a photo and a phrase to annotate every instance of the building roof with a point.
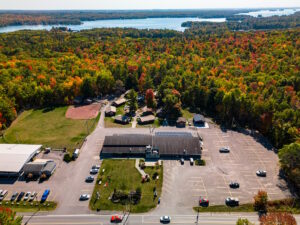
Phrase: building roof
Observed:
(198, 118)
(181, 120)
(120, 101)
(14, 156)
(166, 144)
(50, 166)
(111, 109)
(33, 167)
(148, 118)
(121, 118)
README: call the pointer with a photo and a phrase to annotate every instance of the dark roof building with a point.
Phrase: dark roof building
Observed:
(49, 168)
(199, 120)
(33, 168)
(181, 122)
(122, 119)
(136, 145)
(119, 102)
(146, 119)
(110, 111)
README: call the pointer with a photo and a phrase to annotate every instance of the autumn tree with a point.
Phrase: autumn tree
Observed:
(150, 99)
(8, 217)
(261, 201)
(172, 104)
(278, 218)
(105, 82)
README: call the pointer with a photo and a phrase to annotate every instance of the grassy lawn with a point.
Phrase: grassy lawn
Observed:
(286, 205)
(155, 124)
(49, 127)
(187, 114)
(109, 123)
(29, 206)
(122, 175)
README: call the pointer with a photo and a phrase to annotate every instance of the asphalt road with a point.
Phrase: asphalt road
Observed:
(208, 219)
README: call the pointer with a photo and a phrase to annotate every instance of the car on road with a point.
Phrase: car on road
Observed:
(94, 171)
(14, 196)
(191, 161)
(27, 195)
(165, 219)
(234, 185)
(89, 179)
(203, 202)
(3, 194)
(32, 196)
(224, 150)
(84, 197)
(182, 161)
(230, 201)
(116, 219)
(21, 195)
(96, 167)
(47, 150)
(45, 195)
(261, 173)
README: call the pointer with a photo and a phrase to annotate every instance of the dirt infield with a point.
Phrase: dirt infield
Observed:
(83, 112)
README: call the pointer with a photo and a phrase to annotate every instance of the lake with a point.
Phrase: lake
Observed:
(149, 23)
(268, 13)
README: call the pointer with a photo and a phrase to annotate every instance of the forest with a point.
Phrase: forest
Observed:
(247, 79)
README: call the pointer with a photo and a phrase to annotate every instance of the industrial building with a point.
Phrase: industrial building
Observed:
(169, 145)
(13, 157)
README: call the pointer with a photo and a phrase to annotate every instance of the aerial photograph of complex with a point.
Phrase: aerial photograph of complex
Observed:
(144, 112)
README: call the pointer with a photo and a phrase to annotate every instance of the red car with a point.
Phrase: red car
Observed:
(116, 219)
(203, 202)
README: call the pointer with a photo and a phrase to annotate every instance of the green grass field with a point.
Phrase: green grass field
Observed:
(155, 124)
(122, 175)
(187, 114)
(109, 123)
(50, 128)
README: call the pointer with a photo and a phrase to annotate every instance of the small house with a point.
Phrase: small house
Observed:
(181, 122)
(147, 111)
(119, 102)
(110, 111)
(146, 119)
(199, 120)
(122, 119)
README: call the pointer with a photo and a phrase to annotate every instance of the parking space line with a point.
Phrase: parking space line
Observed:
(226, 185)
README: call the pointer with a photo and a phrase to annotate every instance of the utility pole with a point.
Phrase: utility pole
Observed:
(197, 219)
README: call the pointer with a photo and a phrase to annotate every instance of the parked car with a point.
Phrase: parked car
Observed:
(20, 196)
(3, 194)
(47, 150)
(182, 161)
(75, 153)
(94, 171)
(224, 150)
(84, 197)
(14, 196)
(234, 185)
(45, 195)
(203, 202)
(32, 196)
(89, 179)
(27, 195)
(116, 219)
(96, 167)
(261, 173)
(191, 161)
(232, 201)
(165, 219)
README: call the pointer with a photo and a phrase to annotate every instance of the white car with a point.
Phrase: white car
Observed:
(224, 150)
(261, 173)
(165, 219)
(27, 195)
(84, 197)
(32, 196)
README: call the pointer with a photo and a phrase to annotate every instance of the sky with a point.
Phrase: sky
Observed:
(143, 4)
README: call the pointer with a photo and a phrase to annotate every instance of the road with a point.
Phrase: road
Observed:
(208, 219)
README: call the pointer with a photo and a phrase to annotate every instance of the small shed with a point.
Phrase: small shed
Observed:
(110, 111)
(181, 122)
(199, 120)
(33, 168)
(119, 102)
(146, 119)
(122, 119)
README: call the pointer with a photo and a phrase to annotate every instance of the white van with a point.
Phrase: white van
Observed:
(76, 153)
(191, 161)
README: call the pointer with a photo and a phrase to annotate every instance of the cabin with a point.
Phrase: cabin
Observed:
(146, 119)
(119, 102)
(199, 120)
(122, 119)
(110, 111)
(181, 122)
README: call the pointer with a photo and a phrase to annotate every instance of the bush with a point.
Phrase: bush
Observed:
(68, 158)
(200, 162)
(261, 201)
(278, 218)
(243, 222)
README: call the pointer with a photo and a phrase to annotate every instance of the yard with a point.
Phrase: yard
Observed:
(49, 127)
(122, 175)
(109, 121)
(187, 114)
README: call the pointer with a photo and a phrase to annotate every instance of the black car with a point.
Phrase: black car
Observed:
(14, 196)
(232, 201)
(234, 185)
(21, 195)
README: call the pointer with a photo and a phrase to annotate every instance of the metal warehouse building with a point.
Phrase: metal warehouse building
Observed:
(14, 156)
(161, 145)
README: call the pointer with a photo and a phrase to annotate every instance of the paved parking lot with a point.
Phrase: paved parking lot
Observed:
(183, 184)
